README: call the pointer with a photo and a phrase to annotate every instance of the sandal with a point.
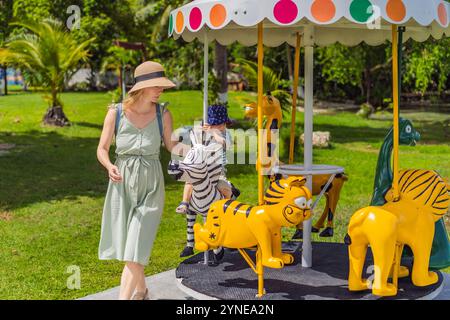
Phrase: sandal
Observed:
(141, 295)
(182, 207)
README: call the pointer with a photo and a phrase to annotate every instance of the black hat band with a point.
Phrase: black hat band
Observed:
(149, 76)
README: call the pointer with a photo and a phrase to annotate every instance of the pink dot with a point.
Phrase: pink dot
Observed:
(195, 18)
(285, 11)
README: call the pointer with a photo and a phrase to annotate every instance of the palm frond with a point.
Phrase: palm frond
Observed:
(271, 82)
(48, 53)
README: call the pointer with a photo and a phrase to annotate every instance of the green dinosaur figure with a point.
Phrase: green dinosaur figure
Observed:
(440, 254)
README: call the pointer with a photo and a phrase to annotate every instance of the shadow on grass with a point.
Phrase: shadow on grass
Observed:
(49, 166)
(88, 125)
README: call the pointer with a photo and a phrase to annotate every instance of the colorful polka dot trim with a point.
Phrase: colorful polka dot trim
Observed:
(396, 10)
(442, 14)
(361, 10)
(323, 10)
(180, 22)
(285, 11)
(195, 18)
(217, 14)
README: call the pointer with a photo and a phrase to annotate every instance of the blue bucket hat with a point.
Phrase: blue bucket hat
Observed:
(218, 114)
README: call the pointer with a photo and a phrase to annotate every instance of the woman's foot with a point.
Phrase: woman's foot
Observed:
(182, 207)
(141, 295)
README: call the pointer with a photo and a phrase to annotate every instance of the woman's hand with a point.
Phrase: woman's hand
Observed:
(114, 174)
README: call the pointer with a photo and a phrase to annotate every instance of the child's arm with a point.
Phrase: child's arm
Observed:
(216, 132)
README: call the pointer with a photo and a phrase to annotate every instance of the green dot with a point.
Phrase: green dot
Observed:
(361, 10)
(170, 24)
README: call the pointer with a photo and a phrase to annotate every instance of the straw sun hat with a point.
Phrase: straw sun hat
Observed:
(150, 74)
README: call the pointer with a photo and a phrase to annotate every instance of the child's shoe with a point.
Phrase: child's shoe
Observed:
(182, 207)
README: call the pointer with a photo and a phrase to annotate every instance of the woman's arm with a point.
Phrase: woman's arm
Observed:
(105, 143)
(173, 146)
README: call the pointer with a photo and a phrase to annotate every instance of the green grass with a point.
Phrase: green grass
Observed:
(52, 188)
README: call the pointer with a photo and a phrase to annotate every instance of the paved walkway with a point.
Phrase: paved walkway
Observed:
(164, 286)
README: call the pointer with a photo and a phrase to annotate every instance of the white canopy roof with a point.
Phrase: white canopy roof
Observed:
(349, 22)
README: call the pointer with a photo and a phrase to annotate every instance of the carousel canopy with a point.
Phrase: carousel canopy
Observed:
(349, 22)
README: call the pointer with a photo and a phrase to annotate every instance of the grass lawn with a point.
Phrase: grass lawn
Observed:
(52, 187)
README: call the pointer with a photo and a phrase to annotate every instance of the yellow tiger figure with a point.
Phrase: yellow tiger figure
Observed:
(233, 224)
(424, 199)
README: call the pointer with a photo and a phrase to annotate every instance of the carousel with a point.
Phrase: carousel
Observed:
(256, 264)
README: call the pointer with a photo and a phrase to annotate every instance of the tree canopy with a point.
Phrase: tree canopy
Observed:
(359, 73)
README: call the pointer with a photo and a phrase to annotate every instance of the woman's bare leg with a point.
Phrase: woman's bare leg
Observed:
(141, 285)
(132, 275)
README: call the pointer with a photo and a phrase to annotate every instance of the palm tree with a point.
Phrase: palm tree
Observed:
(49, 55)
(120, 59)
(273, 82)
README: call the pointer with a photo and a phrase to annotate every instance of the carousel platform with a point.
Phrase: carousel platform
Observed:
(233, 279)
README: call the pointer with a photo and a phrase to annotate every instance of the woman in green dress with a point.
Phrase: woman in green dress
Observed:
(135, 198)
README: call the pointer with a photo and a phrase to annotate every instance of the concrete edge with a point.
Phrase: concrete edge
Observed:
(436, 292)
(194, 294)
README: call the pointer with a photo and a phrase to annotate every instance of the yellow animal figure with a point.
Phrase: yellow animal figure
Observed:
(271, 109)
(424, 199)
(332, 197)
(237, 225)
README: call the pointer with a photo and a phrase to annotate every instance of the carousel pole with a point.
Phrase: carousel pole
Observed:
(294, 98)
(395, 97)
(259, 266)
(205, 76)
(260, 113)
(308, 39)
(205, 102)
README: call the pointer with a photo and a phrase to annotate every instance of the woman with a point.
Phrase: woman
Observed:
(135, 198)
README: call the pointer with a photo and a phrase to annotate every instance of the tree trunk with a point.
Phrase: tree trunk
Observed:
(221, 67)
(120, 83)
(55, 117)
(92, 79)
(5, 79)
(367, 84)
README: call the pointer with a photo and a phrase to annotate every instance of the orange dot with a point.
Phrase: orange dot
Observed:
(180, 21)
(442, 13)
(323, 10)
(396, 10)
(217, 15)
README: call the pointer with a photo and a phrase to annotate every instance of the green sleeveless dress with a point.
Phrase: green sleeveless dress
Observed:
(133, 207)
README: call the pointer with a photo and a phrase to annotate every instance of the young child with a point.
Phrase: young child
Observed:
(216, 126)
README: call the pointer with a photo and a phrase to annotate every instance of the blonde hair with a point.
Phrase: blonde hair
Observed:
(132, 97)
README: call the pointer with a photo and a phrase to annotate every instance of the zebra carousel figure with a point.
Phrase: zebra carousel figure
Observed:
(201, 167)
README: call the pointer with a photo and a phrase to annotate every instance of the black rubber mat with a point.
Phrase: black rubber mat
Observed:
(233, 279)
